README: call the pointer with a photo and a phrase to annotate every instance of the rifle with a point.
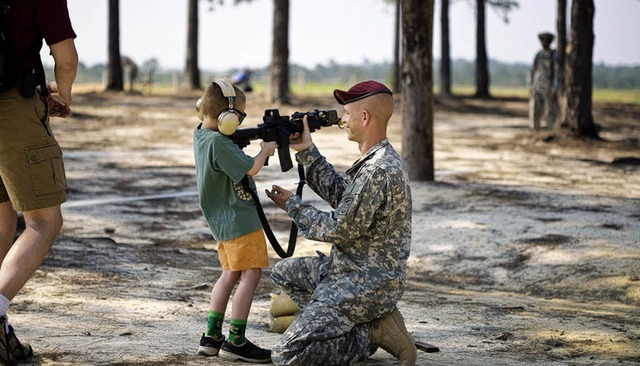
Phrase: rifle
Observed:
(279, 128)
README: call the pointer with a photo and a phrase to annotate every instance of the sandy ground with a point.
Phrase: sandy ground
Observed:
(526, 249)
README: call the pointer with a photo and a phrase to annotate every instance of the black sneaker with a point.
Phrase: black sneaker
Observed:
(6, 357)
(22, 352)
(210, 346)
(247, 351)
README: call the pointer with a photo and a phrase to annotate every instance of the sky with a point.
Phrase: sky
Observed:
(325, 31)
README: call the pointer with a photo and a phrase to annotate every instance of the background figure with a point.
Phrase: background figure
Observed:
(131, 70)
(242, 79)
(543, 82)
(35, 185)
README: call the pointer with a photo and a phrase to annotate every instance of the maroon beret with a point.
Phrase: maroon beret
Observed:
(360, 91)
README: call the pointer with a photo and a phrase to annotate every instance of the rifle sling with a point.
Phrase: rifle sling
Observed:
(293, 233)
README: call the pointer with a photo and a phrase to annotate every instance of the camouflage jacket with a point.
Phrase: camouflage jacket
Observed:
(543, 78)
(370, 229)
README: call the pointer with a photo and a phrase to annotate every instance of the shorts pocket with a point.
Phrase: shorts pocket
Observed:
(46, 168)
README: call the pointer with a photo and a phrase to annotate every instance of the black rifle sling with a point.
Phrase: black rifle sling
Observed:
(293, 233)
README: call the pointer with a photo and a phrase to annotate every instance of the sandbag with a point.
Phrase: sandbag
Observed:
(281, 323)
(281, 305)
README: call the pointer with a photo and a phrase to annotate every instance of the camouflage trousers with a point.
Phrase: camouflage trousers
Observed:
(542, 107)
(320, 334)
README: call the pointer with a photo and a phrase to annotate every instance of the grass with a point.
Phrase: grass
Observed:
(625, 96)
(629, 96)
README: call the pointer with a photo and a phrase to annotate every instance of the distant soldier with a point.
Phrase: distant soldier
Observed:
(130, 65)
(543, 82)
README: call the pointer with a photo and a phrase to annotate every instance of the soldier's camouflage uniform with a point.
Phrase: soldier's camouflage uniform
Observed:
(364, 276)
(543, 84)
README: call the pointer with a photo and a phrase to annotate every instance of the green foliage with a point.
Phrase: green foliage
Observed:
(616, 77)
(212, 3)
(503, 7)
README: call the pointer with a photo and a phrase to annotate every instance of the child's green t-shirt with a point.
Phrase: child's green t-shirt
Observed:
(220, 167)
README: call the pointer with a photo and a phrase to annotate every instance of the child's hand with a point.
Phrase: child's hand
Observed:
(268, 148)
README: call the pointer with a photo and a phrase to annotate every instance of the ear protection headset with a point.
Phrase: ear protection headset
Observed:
(230, 118)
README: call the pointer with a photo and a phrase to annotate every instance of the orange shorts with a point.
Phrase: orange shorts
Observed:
(248, 251)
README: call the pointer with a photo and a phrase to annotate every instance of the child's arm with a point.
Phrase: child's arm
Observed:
(266, 149)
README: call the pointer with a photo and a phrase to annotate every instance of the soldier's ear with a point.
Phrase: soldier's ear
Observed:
(366, 117)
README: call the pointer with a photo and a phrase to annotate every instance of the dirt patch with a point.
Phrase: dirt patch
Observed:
(525, 250)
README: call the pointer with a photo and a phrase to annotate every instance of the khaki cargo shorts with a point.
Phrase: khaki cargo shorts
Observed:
(31, 168)
(248, 251)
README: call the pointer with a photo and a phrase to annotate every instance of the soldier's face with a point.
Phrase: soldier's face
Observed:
(352, 118)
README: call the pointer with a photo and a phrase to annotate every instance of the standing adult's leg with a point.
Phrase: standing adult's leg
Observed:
(8, 220)
(30, 249)
(532, 104)
(552, 112)
(536, 111)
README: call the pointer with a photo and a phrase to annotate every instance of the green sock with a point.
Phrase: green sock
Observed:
(237, 329)
(214, 325)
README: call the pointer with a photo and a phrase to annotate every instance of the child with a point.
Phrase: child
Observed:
(232, 218)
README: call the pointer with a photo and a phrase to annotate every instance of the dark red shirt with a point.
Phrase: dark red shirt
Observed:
(31, 21)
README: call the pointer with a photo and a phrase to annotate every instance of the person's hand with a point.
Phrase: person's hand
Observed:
(269, 148)
(278, 195)
(301, 141)
(56, 108)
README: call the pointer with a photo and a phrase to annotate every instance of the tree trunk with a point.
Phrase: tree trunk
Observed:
(191, 70)
(561, 31)
(579, 119)
(114, 66)
(417, 78)
(445, 60)
(482, 63)
(278, 88)
(396, 49)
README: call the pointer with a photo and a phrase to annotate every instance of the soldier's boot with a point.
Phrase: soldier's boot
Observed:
(391, 335)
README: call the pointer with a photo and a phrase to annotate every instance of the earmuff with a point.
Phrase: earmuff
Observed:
(229, 119)
(199, 111)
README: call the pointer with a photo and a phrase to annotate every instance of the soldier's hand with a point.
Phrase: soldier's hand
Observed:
(278, 195)
(301, 141)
